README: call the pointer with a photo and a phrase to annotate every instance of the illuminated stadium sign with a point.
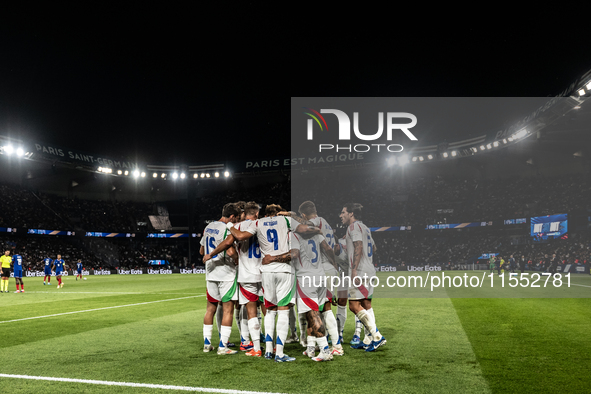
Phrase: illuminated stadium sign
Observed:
(457, 225)
(49, 232)
(548, 227)
(109, 235)
(7, 230)
(515, 221)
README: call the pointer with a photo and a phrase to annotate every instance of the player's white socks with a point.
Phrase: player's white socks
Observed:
(323, 344)
(244, 327)
(366, 320)
(358, 326)
(207, 332)
(311, 349)
(331, 328)
(255, 333)
(282, 331)
(269, 330)
(225, 335)
(341, 319)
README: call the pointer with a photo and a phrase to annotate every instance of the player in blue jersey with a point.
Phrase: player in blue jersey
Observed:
(17, 267)
(59, 269)
(79, 269)
(47, 263)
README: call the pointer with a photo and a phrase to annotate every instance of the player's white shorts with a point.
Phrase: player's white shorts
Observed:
(330, 272)
(223, 291)
(278, 288)
(360, 288)
(309, 298)
(249, 292)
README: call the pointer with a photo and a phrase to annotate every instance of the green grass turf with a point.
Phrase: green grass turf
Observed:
(435, 343)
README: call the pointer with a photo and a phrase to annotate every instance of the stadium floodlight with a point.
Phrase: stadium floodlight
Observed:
(504, 140)
(482, 147)
(119, 172)
(202, 175)
(403, 160)
(100, 169)
(207, 175)
(183, 175)
(582, 92)
(588, 86)
(430, 157)
(488, 146)
(20, 152)
(8, 149)
(143, 174)
(126, 173)
(195, 176)
(175, 175)
(496, 144)
(454, 153)
(510, 139)
(421, 158)
(390, 161)
(136, 174)
(154, 175)
(473, 149)
(521, 133)
(415, 158)
(163, 175)
(217, 174)
(445, 154)
(226, 174)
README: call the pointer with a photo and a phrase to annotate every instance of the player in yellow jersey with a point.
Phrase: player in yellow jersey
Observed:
(6, 260)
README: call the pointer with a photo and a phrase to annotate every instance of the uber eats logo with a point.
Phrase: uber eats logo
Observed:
(394, 123)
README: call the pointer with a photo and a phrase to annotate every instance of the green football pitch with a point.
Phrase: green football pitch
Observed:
(147, 329)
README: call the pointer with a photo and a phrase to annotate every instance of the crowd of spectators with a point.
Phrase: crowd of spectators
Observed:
(411, 202)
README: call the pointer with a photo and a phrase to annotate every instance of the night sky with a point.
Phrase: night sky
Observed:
(190, 85)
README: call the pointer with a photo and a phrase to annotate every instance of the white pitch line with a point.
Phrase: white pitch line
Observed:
(127, 384)
(574, 284)
(99, 309)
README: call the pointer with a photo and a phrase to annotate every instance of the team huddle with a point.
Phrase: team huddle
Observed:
(267, 266)
(49, 265)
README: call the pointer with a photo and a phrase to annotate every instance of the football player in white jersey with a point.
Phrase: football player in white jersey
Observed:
(278, 277)
(327, 258)
(220, 276)
(311, 291)
(360, 250)
(249, 273)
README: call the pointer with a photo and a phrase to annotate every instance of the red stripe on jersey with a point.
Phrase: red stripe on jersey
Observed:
(363, 291)
(308, 301)
(248, 295)
(210, 298)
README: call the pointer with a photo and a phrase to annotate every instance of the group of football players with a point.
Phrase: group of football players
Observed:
(267, 265)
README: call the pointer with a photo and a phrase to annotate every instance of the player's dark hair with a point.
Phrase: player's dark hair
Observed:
(241, 205)
(231, 209)
(307, 208)
(273, 209)
(251, 208)
(355, 209)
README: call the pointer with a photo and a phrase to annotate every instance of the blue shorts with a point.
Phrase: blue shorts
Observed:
(48, 272)
(58, 273)
(79, 271)
(18, 274)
